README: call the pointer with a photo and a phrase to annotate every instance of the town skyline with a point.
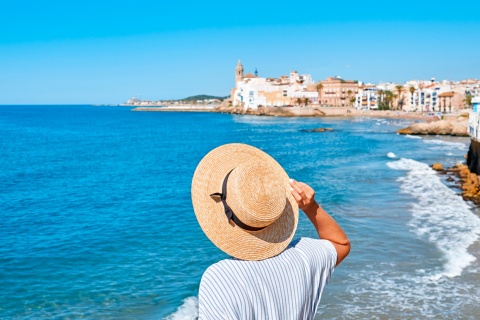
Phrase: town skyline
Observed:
(105, 53)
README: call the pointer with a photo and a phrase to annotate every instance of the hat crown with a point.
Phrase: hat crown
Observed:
(256, 194)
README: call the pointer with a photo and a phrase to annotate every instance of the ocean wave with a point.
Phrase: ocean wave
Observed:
(391, 155)
(442, 218)
(187, 311)
(404, 297)
(439, 215)
(445, 145)
(412, 137)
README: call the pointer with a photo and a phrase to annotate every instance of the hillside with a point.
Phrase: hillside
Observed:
(202, 97)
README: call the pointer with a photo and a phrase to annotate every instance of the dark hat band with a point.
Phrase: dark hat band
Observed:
(228, 211)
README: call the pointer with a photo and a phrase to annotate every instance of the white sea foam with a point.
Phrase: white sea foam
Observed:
(442, 218)
(187, 311)
(391, 155)
(445, 145)
(439, 215)
(412, 137)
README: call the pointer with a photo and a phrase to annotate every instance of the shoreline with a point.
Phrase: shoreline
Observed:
(179, 108)
(294, 112)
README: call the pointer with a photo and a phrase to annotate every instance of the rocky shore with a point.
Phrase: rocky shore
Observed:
(274, 111)
(465, 180)
(455, 127)
(317, 111)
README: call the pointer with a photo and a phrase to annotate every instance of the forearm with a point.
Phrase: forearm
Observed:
(328, 229)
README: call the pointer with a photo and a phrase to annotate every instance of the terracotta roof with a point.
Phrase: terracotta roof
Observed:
(249, 76)
(446, 94)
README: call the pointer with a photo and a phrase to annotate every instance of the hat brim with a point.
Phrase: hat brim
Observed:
(233, 240)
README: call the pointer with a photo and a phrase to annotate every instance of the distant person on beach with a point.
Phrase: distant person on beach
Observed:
(248, 207)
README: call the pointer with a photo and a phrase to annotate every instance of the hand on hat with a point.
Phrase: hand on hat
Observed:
(327, 228)
(304, 195)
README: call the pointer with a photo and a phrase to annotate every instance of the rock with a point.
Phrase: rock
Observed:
(275, 111)
(469, 183)
(454, 127)
(406, 130)
(437, 167)
(317, 130)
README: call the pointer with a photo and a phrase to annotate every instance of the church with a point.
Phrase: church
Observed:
(252, 91)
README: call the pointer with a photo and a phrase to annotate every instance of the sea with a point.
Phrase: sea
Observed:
(96, 219)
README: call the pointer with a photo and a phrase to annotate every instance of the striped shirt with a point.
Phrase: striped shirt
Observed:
(288, 286)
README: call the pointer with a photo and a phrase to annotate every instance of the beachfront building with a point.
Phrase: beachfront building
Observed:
(367, 98)
(476, 103)
(238, 73)
(445, 96)
(252, 91)
(337, 92)
(474, 119)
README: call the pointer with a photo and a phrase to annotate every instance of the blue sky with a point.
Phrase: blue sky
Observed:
(107, 51)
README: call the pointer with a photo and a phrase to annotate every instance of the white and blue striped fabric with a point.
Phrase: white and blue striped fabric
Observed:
(288, 286)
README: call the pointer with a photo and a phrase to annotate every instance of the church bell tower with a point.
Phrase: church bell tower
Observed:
(238, 73)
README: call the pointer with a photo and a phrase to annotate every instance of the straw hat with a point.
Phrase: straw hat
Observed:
(242, 200)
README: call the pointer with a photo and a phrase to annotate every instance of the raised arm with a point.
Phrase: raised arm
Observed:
(327, 228)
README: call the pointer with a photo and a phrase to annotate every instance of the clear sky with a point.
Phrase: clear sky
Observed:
(108, 51)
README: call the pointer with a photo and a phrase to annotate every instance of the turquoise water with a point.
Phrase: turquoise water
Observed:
(96, 219)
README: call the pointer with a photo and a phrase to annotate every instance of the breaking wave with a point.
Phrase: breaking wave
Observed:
(187, 311)
(439, 215)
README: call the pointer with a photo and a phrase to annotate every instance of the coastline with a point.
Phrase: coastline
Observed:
(176, 108)
(317, 111)
(312, 111)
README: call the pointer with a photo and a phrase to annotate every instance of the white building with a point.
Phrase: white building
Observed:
(474, 119)
(367, 98)
(252, 91)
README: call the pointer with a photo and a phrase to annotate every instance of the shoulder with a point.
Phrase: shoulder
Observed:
(219, 276)
(219, 292)
(317, 251)
(215, 272)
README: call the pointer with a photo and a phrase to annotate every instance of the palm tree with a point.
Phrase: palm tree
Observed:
(412, 91)
(352, 101)
(299, 101)
(468, 100)
(319, 89)
(381, 99)
(306, 101)
(389, 97)
(400, 97)
(349, 96)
